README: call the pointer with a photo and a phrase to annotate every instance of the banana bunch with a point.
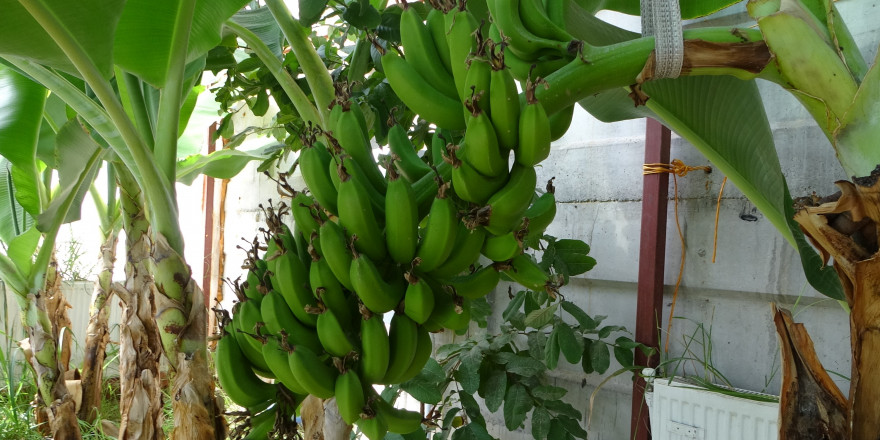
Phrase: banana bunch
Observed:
(382, 253)
(535, 33)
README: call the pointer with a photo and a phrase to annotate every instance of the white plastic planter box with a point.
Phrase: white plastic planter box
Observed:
(682, 411)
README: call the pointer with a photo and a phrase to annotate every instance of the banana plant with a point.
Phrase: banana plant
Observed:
(28, 265)
(125, 68)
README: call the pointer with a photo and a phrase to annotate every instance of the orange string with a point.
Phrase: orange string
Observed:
(717, 214)
(678, 169)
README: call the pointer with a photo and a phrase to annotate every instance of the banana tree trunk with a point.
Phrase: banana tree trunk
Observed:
(44, 316)
(98, 332)
(140, 348)
(810, 404)
(181, 316)
(847, 231)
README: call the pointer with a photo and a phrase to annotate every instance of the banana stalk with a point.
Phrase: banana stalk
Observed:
(98, 332)
(140, 388)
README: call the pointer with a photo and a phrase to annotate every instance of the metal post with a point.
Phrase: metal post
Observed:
(652, 256)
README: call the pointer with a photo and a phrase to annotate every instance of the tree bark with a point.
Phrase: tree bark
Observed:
(98, 332)
(140, 348)
(847, 230)
(810, 404)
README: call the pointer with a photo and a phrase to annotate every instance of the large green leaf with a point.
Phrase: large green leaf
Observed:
(723, 117)
(222, 164)
(146, 28)
(22, 248)
(856, 138)
(69, 196)
(689, 8)
(13, 218)
(74, 148)
(583, 24)
(10, 275)
(261, 22)
(711, 112)
(21, 111)
(91, 23)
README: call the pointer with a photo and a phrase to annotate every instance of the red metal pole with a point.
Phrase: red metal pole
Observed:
(652, 259)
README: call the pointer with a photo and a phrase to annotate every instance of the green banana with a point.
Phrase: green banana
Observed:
(465, 252)
(375, 349)
(374, 428)
(262, 424)
(349, 396)
(292, 281)
(277, 316)
(541, 213)
(408, 162)
(421, 53)
(418, 302)
(353, 139)
(524, 270)
(449, 312)
(305, 215)
(438, 147)
(480, 146)
(523, 42)
(476, 285)
(400, 421)
(335, 251)
(251, 287)
(314, 163)
(460, 25)
(556, 10)
(534, 130)
(424, 348)
(297, 240)
(508, 205)
(378, 295)
(236, 376)
(332, 334)
(469, 184)
(426, 188)
(543, 66)
(245, 320)
(318, 378)
(536, 19)
(328, 289)
(436, 23)
(377, 199)
(477, 83)
(276, 358)
(438, 236)
(420, 96)
(360, 61)
(401, 219)
(504, 104)
(334, 115)
(356, 215)
(559, 122)
(503, 247)
(403, 337)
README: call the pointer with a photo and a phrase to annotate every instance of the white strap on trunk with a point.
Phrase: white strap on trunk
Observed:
(662, 19)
